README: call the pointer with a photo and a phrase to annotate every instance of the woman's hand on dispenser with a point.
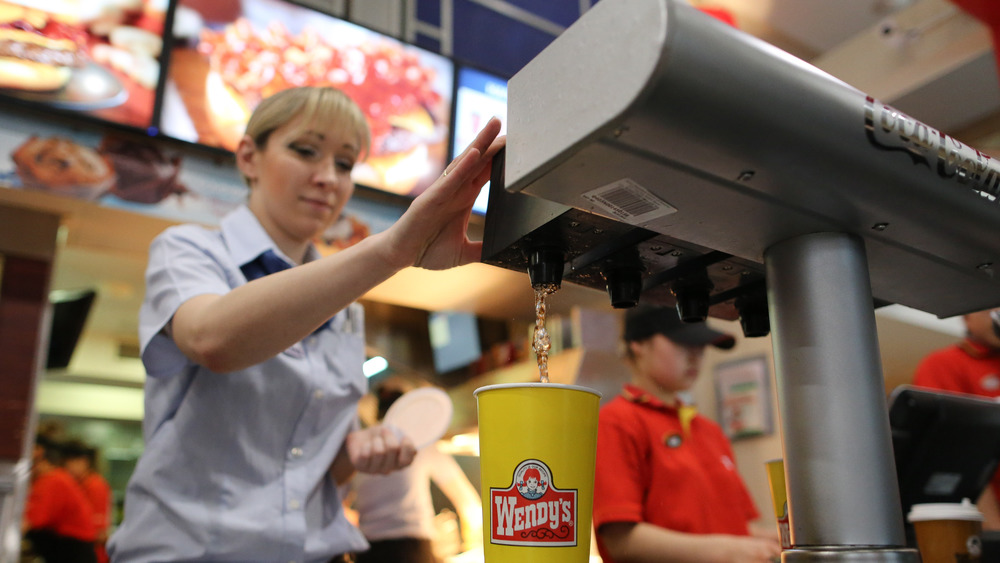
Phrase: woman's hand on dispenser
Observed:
(432, 232)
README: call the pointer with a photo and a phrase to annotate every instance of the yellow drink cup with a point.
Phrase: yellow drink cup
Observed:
(537, 444)
(779, 498)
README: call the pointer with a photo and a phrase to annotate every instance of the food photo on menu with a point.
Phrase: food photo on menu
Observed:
(116, 171)
(99, 57)
(228, 55)
(114, 168)
(135, 173)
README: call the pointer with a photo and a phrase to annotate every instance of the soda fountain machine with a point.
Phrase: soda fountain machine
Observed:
(670, 158)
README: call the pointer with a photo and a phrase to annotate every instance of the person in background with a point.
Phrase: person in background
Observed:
(666, 486)
(253, 345)
(58, 521)
(971, 366)
(396, 511)
(80, 459)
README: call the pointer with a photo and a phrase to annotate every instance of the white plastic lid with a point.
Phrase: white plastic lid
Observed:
(965, 510)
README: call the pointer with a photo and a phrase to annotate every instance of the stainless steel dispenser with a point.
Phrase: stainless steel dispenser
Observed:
(661, 154)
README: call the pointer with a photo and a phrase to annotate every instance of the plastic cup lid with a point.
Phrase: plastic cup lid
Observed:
(422, 414)
(965, 510)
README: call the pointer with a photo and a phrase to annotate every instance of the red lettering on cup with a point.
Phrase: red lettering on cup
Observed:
(532, 511)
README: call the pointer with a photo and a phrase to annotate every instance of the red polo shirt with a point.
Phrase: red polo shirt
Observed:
(651, 469)
(57, 502)
(966, 367)
(99, 494)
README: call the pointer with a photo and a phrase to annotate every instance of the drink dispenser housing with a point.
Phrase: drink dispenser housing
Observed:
(666, 157)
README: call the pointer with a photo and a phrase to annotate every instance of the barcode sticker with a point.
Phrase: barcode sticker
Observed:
(630, 202)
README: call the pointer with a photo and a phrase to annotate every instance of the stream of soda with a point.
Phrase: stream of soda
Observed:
(540, 342)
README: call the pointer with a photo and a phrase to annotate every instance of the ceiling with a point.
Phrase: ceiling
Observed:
(926, 58)
(935, 63)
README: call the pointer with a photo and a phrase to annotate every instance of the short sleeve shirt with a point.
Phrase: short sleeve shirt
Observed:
(966, 367)
(399, 504)
(653, 468)
(99, 494)
(57, 503)
(236, 464)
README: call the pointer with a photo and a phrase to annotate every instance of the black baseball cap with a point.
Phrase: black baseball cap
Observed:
(643, 321)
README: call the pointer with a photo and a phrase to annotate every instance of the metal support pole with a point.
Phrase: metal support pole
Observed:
(843, 497)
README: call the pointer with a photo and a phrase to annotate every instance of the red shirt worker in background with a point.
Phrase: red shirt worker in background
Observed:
(58, 521)
(81, 461)
(666, 485)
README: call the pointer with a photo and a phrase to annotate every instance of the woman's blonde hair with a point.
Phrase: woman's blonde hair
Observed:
(316, 105)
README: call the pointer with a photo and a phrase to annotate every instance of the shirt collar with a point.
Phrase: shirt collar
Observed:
(977, 349)
(247, 239)
(642, 397)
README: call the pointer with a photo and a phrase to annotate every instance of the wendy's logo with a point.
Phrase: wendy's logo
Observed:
(531, 511)
(532, 479)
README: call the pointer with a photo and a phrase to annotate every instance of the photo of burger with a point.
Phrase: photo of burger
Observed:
(94, 56)
(37, 52)
(229, 67)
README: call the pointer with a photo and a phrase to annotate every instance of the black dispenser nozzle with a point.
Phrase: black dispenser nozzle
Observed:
(545, 266)
(754, 318)
(692, 296)
(624, 286)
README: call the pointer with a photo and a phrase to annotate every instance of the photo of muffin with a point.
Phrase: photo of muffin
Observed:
(62, 166)
(144, 174)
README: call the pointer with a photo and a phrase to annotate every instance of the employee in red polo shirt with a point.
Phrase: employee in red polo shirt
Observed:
(58, 521)
(80, 460)
(666, 486)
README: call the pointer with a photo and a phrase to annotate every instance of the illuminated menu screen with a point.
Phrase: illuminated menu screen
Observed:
(96, 57)
(479, 96)
(229, 55)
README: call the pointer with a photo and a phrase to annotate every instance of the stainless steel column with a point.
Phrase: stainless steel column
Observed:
(843, 497)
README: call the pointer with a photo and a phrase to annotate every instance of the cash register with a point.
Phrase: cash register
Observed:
(947, 448)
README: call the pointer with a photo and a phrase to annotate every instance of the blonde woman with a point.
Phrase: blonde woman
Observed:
(253, 346)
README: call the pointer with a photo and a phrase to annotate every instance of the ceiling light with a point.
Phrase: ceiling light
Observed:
(373, 366)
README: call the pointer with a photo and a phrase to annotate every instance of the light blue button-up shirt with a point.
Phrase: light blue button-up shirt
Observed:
(236, 464)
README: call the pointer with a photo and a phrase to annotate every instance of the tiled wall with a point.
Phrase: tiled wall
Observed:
(500, 36)
(497, 35)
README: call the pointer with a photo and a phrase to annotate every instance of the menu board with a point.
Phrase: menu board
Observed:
(228, 55)
(136, 173)
(479, 96)
(95, 57)
(115, 168)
